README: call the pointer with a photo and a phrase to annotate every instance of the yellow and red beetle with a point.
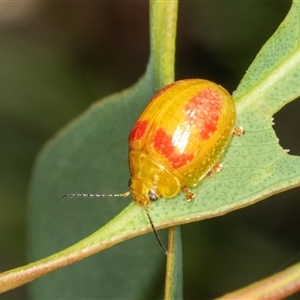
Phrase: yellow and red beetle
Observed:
(178, 139)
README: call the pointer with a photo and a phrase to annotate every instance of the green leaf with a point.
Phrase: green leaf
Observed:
(90, 156)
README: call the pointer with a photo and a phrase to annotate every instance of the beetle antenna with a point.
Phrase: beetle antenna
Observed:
(87, 195)
(161, 245)
(83, 195)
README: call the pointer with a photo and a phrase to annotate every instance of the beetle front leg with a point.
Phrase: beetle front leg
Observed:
(188, 194)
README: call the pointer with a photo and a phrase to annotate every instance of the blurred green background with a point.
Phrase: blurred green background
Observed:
(58, 58)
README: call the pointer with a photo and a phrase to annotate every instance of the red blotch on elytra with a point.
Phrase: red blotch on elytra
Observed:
(138, 131)
(203, 111)
(162, 143)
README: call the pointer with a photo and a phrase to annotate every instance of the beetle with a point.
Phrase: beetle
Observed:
(178, 139)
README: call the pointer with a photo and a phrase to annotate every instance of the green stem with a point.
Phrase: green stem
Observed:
(173, 286)
(278, 286)
(163, 20)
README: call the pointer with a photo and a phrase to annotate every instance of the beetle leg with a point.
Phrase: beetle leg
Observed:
(239, 131)
(216, 168)
(188, 194)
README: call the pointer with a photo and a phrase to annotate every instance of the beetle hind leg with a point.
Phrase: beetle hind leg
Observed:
(238, 131)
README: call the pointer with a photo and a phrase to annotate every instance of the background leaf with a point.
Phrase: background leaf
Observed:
(57, 173)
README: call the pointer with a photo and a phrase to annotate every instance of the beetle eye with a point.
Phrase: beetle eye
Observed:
(129, 182)
(152, 196)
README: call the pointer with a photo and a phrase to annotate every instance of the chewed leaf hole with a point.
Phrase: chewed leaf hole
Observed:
(287, 127)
